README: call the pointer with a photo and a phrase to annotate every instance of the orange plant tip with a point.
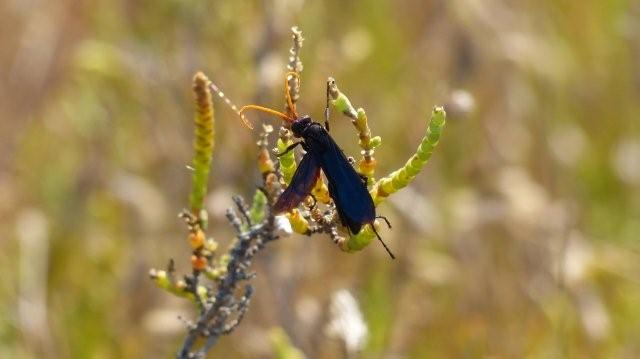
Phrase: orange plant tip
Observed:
(196, 240)
(198, 263)
(200, 77)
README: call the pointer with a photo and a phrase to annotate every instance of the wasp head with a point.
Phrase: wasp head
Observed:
(298, 126)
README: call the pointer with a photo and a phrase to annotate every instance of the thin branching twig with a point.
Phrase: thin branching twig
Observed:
(225, 310)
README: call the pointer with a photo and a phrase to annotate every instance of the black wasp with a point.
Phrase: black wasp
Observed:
(347, 188)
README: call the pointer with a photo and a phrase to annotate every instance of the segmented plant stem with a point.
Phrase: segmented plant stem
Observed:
(403, 176)
(203, 142)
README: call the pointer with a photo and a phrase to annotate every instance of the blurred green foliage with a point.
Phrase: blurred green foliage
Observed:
(521, 238)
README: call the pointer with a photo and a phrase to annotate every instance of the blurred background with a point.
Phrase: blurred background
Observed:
(520, 238)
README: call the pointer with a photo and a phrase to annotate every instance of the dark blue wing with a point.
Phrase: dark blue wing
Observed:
(353, 201)
(303, 180)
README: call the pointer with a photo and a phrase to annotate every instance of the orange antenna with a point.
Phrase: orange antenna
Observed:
(230, 104)
(287, 93)
(265, 109)
(242, 110)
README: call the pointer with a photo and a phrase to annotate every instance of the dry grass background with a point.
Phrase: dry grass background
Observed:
(519, 240)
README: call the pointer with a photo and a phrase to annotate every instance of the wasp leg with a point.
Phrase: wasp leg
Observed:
(381, 241)
(385, 219)
(326, 109)
(289, 149)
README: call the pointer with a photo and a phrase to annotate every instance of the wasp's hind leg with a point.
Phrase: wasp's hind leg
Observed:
(289, 149)
(386, 220)
(381, 241)
(331, 84)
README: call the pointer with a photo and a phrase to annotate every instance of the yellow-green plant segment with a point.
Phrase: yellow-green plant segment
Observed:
(341, 102)
(258, 207)
(179, 288)
(218, 268)
(367, 164)
(299, 224)
(360, 240)
(401, 177)
(203, 142)
(282, 346)
(287, 161)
